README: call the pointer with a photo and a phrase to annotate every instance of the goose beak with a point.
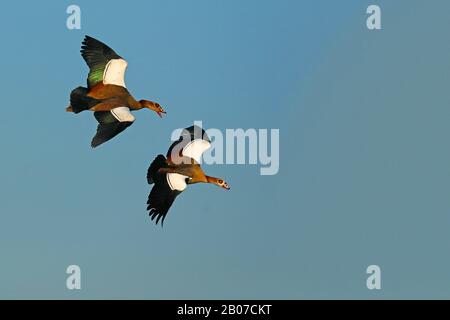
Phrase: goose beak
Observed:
(160, 113)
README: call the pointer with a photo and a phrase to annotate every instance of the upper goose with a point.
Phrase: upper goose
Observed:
(171, 175)
(106, 93)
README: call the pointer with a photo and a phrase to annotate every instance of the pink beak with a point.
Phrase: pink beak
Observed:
(160, 113)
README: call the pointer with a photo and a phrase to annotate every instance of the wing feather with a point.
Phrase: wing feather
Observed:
(161, 196)
(104, 64)
(111, 123)
(189, 148)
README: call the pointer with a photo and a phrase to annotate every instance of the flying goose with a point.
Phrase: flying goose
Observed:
(106, 93)
(171, 175)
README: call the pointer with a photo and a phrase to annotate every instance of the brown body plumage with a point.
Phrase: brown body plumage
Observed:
(195, 174)
(112, 96)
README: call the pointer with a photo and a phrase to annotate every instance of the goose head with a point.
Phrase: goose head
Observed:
(154, 106)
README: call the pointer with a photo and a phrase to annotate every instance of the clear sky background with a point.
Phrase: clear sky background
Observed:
(365, 160)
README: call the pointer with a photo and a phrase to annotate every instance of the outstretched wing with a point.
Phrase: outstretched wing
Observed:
(111, 123)
(191, 145)
(105, 65)
(164, 191)
(160, 200)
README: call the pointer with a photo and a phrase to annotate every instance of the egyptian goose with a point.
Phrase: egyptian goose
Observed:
(171, 175)
(106, 93)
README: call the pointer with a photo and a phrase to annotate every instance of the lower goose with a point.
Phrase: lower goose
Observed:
(171, 175)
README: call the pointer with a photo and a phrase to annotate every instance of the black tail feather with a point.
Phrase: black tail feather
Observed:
(159, 162)
(79, 101)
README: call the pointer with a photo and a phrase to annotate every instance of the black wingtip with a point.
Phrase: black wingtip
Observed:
(85, 41)
(88, 38)
(195, 132)
(153, 213)
(95, 144)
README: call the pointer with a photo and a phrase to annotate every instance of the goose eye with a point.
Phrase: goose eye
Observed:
(220, 181)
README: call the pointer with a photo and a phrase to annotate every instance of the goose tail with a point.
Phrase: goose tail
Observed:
(79, 101)
(159, 162)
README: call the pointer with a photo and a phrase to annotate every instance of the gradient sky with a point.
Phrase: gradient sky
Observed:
(365, 163)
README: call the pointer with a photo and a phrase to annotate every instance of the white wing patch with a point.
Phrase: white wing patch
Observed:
(195, 148)
(176, 181)
(115, 72)
(123, 114)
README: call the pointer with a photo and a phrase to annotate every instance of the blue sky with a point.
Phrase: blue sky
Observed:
(364, 172)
